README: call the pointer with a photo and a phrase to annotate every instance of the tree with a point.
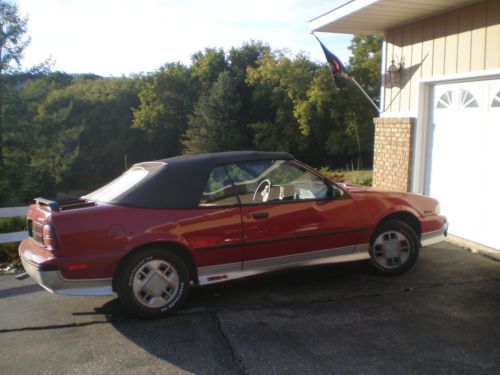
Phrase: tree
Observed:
(12, 44)
(364, 64)
(166, 99)
(26, 139)
(63, 132)
(307, 115)
(240, 60)
(280, 83)
(100, 119)
(66, 133)
(215, 124)
(206, 67)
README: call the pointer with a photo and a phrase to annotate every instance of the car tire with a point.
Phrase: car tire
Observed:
(394, 248)
(153, 283)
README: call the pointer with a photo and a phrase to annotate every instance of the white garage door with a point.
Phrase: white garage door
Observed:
(463, 170)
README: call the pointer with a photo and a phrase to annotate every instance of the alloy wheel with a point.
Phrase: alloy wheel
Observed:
(155, 283)
(391, 249)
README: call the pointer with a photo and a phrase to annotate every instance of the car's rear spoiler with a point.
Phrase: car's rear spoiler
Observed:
(63, 204)
(52, 205)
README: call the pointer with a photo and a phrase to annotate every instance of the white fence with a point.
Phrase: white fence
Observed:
(15, 236)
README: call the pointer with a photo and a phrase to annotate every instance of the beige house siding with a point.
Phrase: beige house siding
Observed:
(460, 41)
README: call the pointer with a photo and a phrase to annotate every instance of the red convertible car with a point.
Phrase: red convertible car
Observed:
(165, 226)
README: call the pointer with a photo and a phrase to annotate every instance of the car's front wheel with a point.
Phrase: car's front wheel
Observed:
(153, 283)
(394, 247)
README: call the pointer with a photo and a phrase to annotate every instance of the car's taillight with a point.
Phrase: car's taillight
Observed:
(49, 237)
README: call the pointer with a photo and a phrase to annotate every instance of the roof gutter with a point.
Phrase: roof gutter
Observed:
(348, 7)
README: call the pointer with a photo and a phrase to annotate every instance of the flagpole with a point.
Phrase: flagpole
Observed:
(364, 92)
(314, 35)
(356, 82)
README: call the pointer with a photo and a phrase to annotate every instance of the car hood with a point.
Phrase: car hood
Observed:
(424, 204)
(352, 188)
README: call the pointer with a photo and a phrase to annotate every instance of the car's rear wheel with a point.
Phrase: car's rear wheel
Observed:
(153, 283)
(394, 247)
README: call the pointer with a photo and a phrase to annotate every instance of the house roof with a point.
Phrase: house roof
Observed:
(373, 17)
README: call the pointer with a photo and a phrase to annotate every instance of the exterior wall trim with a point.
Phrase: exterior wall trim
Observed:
(420, 157)
(381, 105)
(341, 11)
(398, 114)
(479, 75)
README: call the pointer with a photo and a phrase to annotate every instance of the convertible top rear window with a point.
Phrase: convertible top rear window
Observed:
(119, 185)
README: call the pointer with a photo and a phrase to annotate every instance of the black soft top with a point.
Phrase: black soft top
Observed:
(178, 182)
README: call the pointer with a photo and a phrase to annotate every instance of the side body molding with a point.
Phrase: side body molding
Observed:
(231, 271)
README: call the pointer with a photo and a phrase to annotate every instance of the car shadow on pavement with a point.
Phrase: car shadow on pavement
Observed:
(270, 289)
(279, 287)
(25, 289)
(112, 310)
(193, 339)
(267, 323)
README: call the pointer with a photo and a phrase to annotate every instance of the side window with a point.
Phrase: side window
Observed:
(275, 180)
(219, 190)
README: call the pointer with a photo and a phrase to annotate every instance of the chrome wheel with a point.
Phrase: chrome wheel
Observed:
(391, 249)
(155, 283)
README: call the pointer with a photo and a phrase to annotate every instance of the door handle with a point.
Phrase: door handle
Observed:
(260, 215)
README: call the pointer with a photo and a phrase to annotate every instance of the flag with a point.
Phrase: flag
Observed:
(339, 72)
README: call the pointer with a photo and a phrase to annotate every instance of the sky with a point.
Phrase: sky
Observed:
(123, 37)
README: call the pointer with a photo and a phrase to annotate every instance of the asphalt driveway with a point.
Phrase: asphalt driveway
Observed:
(443, 316)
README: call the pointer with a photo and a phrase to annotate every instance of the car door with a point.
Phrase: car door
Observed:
(215, 232)
(290, 215)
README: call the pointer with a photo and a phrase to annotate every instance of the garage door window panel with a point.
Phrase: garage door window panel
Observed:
(445, 100)
(467, 99)
(495, 103)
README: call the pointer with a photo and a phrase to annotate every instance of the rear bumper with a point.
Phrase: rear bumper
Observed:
(431, 238)
(54, 282)
(49, 277)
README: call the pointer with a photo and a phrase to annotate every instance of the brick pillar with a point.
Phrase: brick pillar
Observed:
(393, 153)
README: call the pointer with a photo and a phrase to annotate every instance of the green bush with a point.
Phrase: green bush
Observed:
(9, 259)
(359, 177)
(337, 176)
(8, 252)
(366, 181)
(363, 177)
(12, 224)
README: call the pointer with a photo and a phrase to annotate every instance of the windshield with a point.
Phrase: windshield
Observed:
(118, 186)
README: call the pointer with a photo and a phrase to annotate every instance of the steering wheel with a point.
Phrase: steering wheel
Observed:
(264, 188)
